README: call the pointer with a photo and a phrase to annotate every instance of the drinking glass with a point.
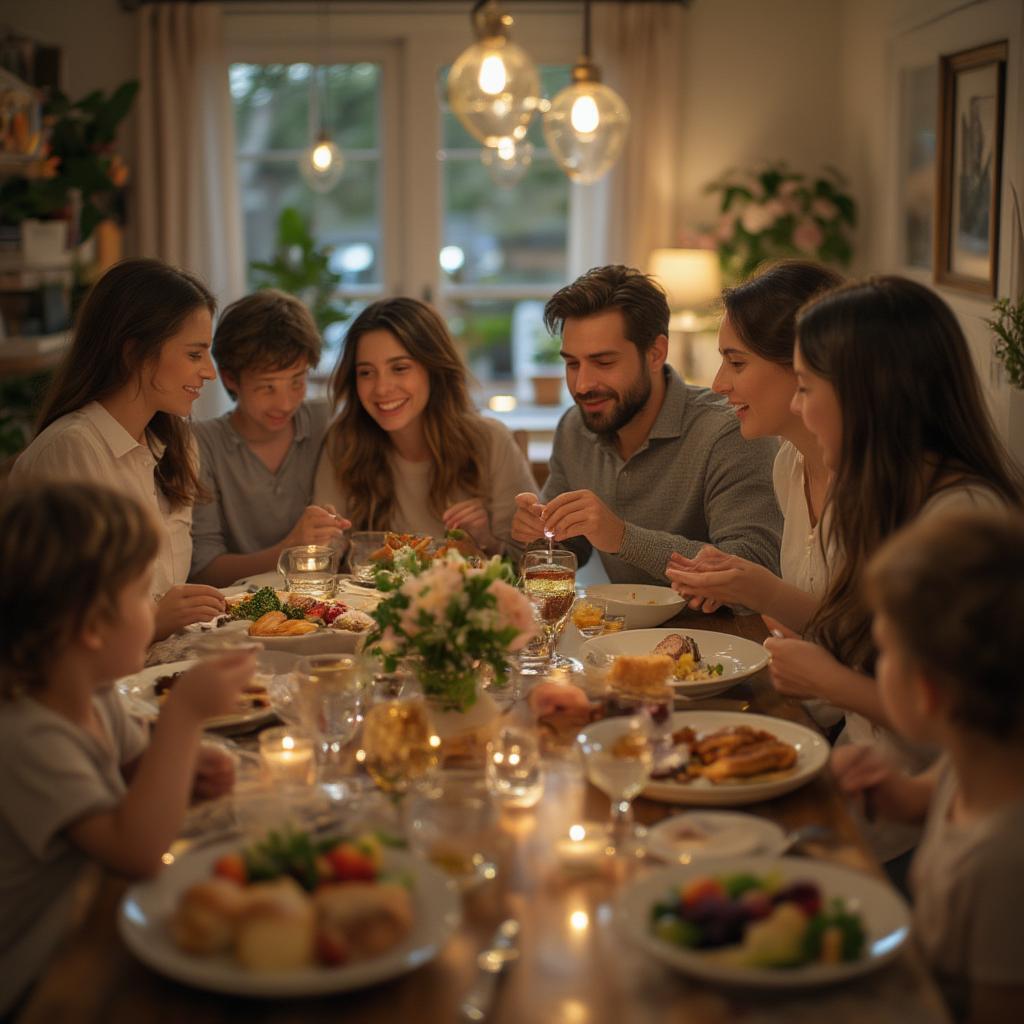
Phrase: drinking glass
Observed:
(588, 615)
(310, 570)
(513, 767)
(364, 544)
(276, 673)
(399, 745)
(330, 698)
(549, 580)
(618, 754)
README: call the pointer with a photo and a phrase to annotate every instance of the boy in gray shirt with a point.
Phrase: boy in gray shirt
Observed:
(644, 465)
(257, 461)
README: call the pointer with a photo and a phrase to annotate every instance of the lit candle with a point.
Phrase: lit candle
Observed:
(287, 758)
(308, 564)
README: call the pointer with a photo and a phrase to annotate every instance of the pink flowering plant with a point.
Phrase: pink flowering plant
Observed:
(776, 212)
(450, 619)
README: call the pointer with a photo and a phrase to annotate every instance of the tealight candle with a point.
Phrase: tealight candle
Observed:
(287, 757)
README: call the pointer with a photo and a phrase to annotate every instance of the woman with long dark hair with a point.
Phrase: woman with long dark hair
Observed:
(408, 451)
(115, 413)
(887, 385)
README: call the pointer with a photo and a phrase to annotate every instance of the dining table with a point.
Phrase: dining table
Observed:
(575, 966)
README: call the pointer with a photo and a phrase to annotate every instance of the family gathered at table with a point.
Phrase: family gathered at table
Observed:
(841, 478)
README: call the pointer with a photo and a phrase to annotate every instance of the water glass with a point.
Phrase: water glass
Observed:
(310, 570)
(276, 673)
(364, 544)
(330, 698)
(513, 767)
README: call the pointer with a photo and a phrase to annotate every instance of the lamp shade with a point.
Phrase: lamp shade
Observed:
(691, 277)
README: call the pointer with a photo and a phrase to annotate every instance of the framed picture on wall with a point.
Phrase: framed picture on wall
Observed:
(970, 158)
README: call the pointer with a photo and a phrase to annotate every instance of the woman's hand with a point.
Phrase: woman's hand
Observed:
(184, 604)
(799, 668)
(471, 516)
(715, 578)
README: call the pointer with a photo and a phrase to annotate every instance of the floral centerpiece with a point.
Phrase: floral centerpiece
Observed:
(776, 212)
(452, 618)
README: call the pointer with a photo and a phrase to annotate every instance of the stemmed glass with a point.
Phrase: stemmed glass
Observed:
(549, 581)
(399, 745)
(619, 756)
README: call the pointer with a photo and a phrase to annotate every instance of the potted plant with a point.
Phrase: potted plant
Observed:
(547, 386)
(302, 268)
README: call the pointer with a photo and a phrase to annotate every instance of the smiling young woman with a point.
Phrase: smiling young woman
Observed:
(115, 413)
(408, 451)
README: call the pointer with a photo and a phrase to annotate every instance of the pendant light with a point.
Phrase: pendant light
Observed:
(493, 86)
(322, 163)
(508, 161)
(587, 122)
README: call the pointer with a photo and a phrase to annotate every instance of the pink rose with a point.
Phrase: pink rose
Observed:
(757, 218)
(825, 209)
(514, 609)
(808, 236)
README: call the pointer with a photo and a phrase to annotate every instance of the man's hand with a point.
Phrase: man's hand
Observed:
(471, 516)
(317, 525)
(527, 524)
(184, 604)
(584, 514)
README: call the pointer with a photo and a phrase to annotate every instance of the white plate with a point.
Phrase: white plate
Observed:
(642, 604)
(703, 835)
(145, 908)
(812, 756)
(886, 921)
(738, 657)
(138, 693)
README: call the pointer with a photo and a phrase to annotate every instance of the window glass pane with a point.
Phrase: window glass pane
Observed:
(503, 339)
(515, 235)
(271, 106)
(347, 218)
(351, 114)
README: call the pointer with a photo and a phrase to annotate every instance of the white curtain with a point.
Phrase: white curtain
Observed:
(189, 211)
(637, 46)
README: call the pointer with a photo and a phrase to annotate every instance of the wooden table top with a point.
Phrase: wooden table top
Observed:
(574, 966)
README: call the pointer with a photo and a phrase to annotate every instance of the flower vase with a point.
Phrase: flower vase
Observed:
(463, 731)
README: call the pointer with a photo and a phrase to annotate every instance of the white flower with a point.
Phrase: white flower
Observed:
(824, 208)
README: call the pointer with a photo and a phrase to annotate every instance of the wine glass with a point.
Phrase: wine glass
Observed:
(399, 745)
(549, 580)
(330, 699)
(619, 756)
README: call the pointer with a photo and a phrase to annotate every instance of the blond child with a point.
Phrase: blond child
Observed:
(948, 598)
(79, 781)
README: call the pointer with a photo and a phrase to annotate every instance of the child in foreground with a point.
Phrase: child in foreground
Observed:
(79, 781)
(948, 597)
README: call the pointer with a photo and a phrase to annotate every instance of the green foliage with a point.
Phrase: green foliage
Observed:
(81, 143)
(1008, 327)
(776, 212)
(20, 398)
(302, 268)
(548, 352)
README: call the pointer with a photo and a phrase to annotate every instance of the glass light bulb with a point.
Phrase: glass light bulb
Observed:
(585, 128)
(508, 161)
(584, 116)
(493, 89)
(492, 77)
(322, 165)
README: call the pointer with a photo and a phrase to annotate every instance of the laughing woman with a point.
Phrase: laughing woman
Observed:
(115, 414)
(407, 451)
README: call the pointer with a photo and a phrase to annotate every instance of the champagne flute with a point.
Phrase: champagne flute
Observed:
(549, 580)
(619, 756)
(399, 745)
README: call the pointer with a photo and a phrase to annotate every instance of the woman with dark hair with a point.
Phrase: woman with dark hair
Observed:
(114, 413)
(408, 451)
(756, 341)
(887, 385)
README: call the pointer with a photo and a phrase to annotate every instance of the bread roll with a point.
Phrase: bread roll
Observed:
(207, 916)
(369, 917)
(276, 929)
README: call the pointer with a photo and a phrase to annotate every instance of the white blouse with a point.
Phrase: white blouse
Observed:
(801, 558)
(90, 446)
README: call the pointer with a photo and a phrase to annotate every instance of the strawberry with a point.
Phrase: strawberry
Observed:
(351, 865)
(232, 866)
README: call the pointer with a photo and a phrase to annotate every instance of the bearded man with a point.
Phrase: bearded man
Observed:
(644, 464)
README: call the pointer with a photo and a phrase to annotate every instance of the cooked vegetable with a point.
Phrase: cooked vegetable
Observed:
(264, 600)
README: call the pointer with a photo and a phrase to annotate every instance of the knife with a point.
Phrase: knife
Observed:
(491, 962)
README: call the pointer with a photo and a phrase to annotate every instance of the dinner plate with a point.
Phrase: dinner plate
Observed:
(705, 835)
(643, 605)
(138, 693)
(738, 657)
(146, 907)
(812, 756)
(885, 916)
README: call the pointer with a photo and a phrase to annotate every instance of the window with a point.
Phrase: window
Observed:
(416, 212)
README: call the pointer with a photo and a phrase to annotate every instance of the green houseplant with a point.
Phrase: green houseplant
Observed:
(302, 268)
(1008, 326)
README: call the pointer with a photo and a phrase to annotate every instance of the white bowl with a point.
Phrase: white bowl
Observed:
(643, 605)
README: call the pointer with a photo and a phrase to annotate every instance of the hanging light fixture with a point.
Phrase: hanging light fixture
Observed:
(587, 122)
(322, 163)
(493, 86)
(508, 161)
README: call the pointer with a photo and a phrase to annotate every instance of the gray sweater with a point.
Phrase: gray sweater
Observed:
(695, 480)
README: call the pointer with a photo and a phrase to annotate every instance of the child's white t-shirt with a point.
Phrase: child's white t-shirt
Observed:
(54, 773)
(968, 891)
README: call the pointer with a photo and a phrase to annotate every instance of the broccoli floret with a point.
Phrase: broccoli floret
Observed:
(264, 600)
